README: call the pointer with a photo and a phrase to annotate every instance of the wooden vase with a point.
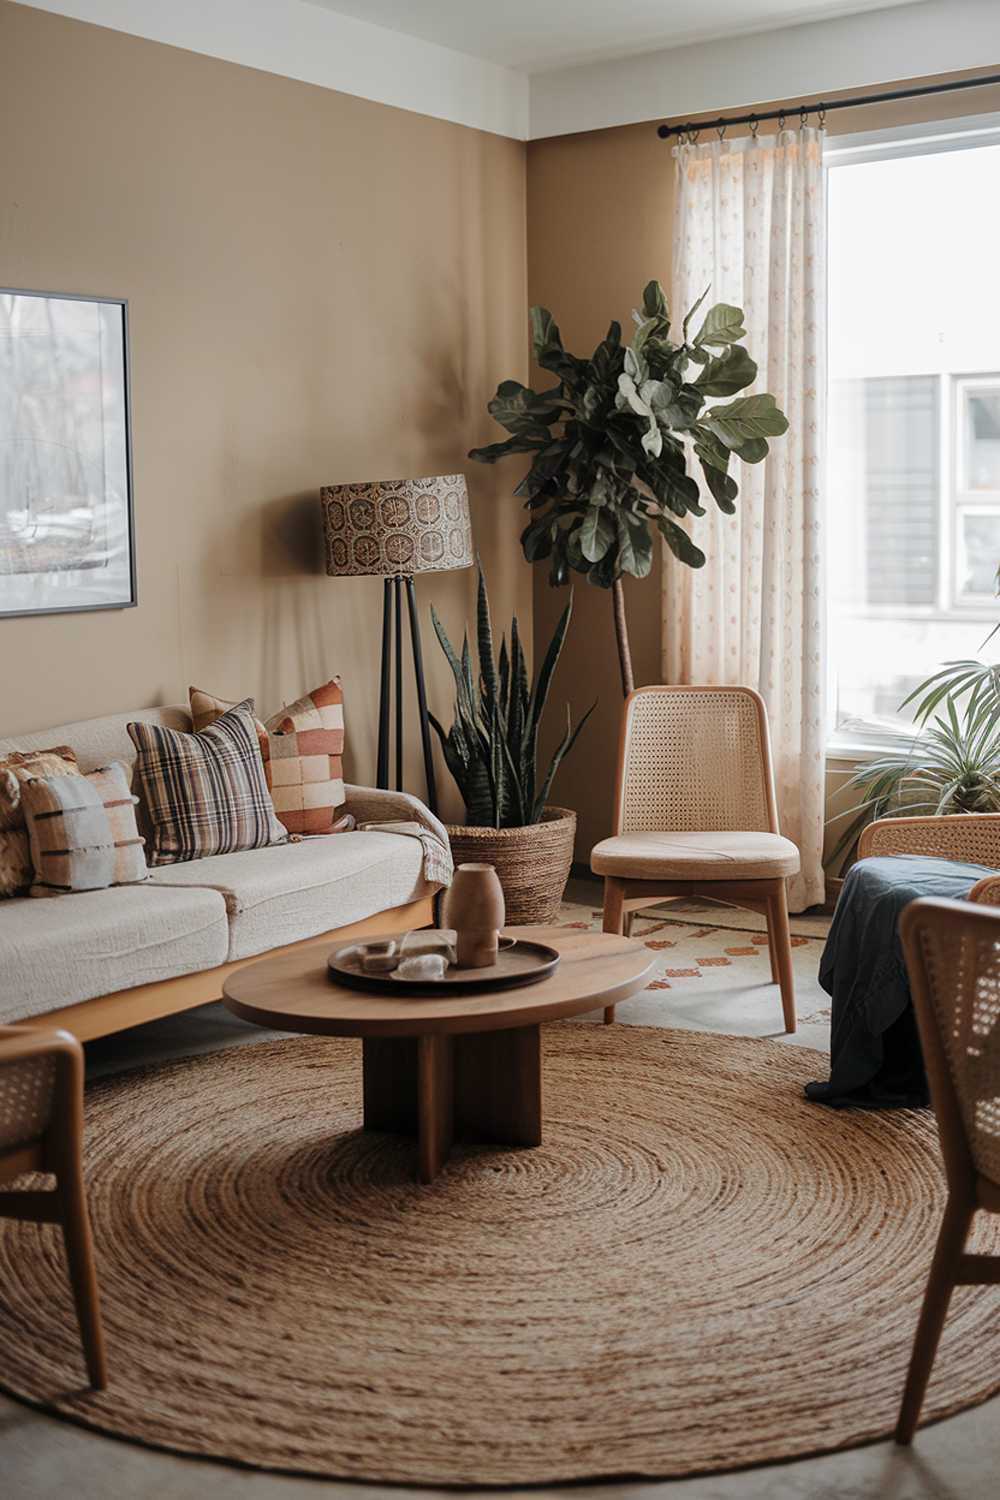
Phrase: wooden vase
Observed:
(474, 907)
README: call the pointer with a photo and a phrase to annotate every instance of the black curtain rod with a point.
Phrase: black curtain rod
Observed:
(802, 110)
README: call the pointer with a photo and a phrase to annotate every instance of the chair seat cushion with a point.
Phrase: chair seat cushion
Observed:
(298, 890)
(695, 856)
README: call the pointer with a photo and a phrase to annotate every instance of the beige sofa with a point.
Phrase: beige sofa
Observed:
(102, 960)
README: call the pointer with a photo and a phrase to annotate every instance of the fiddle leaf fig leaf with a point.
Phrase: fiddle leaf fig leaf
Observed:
(722, 487)
(728, 373)
(723, 325)
(654, 301)
(545, 335)
(596, 533)
(746, 418)
(680, 543)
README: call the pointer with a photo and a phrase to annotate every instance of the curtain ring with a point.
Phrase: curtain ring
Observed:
(754, 124)
(720, 128)
(803, 116)
(781, 122)
(821, 116)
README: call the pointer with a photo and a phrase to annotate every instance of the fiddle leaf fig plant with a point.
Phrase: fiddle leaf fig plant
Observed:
(612, 441)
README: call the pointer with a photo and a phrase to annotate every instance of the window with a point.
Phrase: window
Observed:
(913, 479)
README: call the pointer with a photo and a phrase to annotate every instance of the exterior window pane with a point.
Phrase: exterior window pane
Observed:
(982, 440)
(913, 467)
(978, 553)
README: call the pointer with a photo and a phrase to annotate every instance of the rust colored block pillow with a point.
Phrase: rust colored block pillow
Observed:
(302, 745)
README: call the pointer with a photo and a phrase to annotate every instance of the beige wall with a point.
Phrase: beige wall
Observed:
(320, 289)
(599, 226)
(600, 222)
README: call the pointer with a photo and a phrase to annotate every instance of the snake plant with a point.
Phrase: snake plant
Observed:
(491, 748)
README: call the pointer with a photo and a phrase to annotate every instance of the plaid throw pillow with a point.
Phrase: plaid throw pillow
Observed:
(82, 831)
(302, 746)
(205, 793)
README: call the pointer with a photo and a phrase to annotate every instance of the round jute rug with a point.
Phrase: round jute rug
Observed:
(697, 1270)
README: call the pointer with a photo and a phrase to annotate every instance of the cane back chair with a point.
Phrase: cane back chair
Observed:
(695, 814)
(41, 1130)
(973, 838)
(952, 953)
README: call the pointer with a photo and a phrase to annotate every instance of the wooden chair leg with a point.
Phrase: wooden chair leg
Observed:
(614, 921)
(940, 1285)
(780, 942)
(82, 1270)
(630, 917)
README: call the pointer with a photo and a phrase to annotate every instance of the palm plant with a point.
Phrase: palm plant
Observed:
(491, 748)
(953, 766)
(611, 442)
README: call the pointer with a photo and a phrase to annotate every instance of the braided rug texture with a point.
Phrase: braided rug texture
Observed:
(696, 1271)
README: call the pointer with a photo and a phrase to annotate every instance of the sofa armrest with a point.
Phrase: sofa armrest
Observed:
(973, 837)
(370, 804)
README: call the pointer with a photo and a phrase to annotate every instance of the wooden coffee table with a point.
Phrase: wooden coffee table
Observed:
(462, 1067)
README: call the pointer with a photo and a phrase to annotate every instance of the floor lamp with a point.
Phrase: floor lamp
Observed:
(392, 529)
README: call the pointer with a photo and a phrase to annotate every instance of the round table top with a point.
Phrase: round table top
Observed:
(293, 991)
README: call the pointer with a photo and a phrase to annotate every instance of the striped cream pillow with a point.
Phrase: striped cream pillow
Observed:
(82, 832)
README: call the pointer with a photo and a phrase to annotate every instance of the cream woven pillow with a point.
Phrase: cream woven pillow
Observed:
(83, 832)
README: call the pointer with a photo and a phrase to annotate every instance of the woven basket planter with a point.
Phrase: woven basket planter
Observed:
(532, 863)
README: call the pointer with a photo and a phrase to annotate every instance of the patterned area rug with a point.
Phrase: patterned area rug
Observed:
(713, 972)
(697, 1270)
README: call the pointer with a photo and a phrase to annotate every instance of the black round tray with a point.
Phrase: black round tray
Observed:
(518, 963)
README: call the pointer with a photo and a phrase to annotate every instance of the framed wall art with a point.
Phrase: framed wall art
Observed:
(66, 536)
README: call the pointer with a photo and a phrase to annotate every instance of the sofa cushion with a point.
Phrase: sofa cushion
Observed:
(292, 891)
(56, 953)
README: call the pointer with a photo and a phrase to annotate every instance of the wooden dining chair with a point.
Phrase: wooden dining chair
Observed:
(952, 953)
(695, 814)
(41, 1130)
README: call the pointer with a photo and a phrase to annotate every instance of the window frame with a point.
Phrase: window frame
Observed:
(867, 741)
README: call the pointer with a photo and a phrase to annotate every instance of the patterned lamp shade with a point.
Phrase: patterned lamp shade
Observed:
(397, 527)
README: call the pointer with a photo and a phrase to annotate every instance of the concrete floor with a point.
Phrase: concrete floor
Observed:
(41, 1457)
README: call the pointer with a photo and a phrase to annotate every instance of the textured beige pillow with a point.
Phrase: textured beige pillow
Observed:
(83, 832)
(17, 767)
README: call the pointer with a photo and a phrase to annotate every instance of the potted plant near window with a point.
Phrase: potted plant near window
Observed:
(491, 750)
(612, 442)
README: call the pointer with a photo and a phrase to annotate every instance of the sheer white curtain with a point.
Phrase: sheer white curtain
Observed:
(750, 223)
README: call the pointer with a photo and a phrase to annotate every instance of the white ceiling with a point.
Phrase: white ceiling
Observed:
(535, 35)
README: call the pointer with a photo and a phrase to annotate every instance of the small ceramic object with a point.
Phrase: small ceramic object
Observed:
(474, 907)
(422, 966)
(377, 957)
(415, 943)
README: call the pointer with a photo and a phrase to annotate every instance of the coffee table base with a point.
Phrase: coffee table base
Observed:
(470, 1086)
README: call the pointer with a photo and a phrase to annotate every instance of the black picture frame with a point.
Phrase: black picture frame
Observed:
(43, 446)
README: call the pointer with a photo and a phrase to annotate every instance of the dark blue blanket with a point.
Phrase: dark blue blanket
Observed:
(875, 1057)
